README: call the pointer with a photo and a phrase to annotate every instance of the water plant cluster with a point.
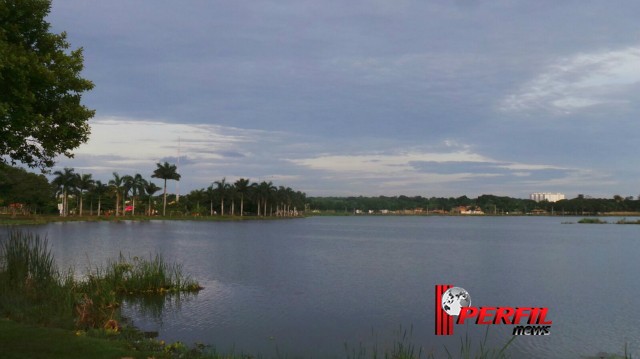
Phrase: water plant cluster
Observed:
(592, 221)
(600, 221)
(33, 290)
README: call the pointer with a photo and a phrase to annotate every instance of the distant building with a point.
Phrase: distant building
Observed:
(545, 196)
(467, 210)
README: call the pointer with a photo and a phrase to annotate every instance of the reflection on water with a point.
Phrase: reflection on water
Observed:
(152, 307)
(308, 286)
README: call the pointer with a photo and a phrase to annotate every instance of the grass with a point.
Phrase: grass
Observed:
(140, 276)
(482, 352)
(27, 341)
(33, 291)
(402, 348)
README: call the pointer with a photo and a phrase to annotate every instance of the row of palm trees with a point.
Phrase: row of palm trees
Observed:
(262, 199)
(68, 182)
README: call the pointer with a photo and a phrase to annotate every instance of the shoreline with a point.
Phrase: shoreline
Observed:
(9, 220)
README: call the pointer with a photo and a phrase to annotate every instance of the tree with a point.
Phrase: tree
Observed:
(138, 188)
(64, 182)
(242, 187)
(28, 189)
(117, 183)
(99, 189)
(84, 183)
(127, 183)
(136, 185)
(40, 112)
(222, 188)
(150, 189)
(196, 196)
(210, 193)
(166, 172)
(264, 190)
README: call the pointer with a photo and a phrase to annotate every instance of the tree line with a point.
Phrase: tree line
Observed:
(72, 193)
(80, 194)
(489, 204)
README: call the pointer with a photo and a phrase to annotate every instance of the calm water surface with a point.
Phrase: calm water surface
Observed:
(304, 287)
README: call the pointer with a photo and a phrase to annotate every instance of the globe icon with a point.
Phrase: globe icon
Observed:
(454, 299)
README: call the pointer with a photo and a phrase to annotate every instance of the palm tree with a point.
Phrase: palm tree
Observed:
(64, 182)
(222, 188)
(84, 182)
(211, 194)
(264, 190)
(99, 189)
(242, 187)
(117, 183)
(233, 193)
(166, 172)
(135, 184)
(196, 196)
(150, 188)
(127, 181)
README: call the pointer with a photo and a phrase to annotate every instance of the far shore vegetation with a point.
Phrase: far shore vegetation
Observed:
(26, 197)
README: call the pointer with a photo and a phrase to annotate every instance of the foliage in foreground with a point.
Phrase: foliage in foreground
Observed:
(404, 348)
(41, 87)
(140, 276)
(34, 291)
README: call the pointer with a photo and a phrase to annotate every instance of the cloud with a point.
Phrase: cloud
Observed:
(579, 82)
(441, 167)
(153, 140)
(337, 99)
(210, 152)
(382, 163)
(129, 145)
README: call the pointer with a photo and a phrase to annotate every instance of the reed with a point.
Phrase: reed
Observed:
(32, 289)
(146, 276)
(483, 352)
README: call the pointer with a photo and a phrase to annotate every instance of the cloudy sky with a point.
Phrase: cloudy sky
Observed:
(379, 97)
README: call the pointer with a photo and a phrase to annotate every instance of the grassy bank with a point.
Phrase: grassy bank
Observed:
(35, 293)
(28, 341)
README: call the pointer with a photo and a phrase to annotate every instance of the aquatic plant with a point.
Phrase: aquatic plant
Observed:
(32, 289)
(592, 221)
(483, 352)
(146, 276)
(626, 221)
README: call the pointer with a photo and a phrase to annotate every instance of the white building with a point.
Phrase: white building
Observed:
(542, 196)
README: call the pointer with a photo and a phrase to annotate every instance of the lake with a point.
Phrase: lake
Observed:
(305, 287)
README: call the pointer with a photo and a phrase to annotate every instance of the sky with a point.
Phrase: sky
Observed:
(346, 98)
